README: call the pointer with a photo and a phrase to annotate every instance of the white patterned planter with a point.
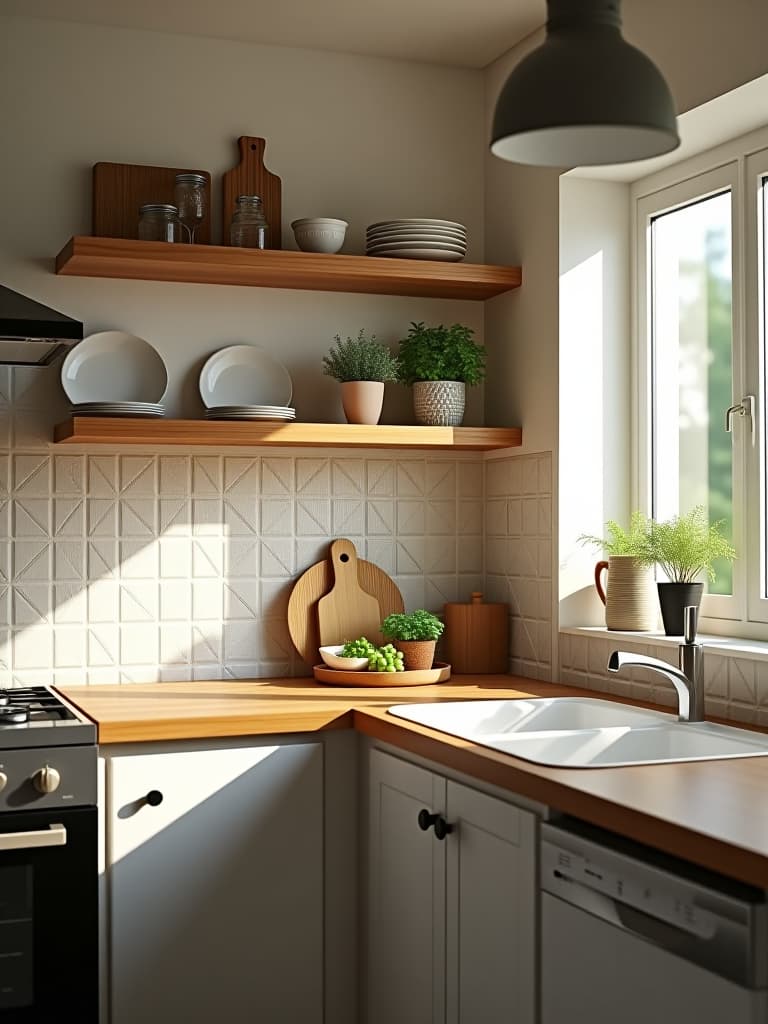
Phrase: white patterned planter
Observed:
(439, 403)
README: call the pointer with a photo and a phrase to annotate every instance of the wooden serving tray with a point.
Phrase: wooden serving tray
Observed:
(439, 673)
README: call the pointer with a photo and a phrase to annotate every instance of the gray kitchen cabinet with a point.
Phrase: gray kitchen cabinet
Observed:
(215, 884)
(451, 922)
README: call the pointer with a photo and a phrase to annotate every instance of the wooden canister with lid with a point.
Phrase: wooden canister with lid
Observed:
(477, 636)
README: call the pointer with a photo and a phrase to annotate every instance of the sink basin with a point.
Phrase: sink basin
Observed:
(583, 732)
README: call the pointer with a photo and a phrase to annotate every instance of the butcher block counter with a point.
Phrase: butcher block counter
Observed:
(713, 813)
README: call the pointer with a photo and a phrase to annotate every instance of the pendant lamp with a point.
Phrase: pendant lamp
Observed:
(585, 96)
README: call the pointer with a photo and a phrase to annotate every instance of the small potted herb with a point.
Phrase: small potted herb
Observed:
(362, 366)
(439, 362)
(416, 634)
(684, 547)
(629, 598)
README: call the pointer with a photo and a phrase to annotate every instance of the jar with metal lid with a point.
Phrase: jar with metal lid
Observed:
(191, 197)
(249, 227)
(158, 222)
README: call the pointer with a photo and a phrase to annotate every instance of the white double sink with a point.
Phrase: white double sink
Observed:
(582, 732)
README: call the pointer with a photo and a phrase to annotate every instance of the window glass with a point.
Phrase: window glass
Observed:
(691, 339)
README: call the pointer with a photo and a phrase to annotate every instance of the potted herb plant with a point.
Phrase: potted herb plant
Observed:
(416, 634)
(629, 598)
(439, 362)
(684, 547)
(362, 366)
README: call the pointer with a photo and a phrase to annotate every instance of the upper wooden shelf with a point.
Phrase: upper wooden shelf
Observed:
(220, 433)
(271, 268)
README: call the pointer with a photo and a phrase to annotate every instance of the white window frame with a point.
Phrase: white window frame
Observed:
(738, 166)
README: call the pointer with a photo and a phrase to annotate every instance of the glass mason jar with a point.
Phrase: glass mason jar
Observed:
(158, 222)
(191, 198)
(249, 227)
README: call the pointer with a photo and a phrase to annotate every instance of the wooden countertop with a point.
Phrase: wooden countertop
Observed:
(714, 813)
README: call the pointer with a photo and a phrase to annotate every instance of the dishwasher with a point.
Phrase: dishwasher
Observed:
(631, 936)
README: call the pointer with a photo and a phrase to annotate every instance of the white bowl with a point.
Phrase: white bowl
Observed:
(319, 234)
(331, 657)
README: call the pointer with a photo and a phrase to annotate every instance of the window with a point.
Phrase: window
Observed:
(702, 325)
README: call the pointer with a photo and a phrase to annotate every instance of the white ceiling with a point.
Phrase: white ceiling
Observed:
(461, 33)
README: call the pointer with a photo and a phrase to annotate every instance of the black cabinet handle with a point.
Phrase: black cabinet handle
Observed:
(154, 798)
(442, 828)
(426, 820)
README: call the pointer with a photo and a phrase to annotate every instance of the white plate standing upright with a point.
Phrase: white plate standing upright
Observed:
(113, 366)
(244, 375)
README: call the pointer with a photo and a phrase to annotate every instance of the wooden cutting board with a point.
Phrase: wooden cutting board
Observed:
(315, 583)
(251, 178)
(477, 636)
(120, 189)
(347, 611)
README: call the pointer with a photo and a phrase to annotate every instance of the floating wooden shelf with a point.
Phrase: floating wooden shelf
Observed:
(89, 430)
(270, 268)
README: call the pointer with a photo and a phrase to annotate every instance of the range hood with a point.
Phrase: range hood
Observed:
(32, 334)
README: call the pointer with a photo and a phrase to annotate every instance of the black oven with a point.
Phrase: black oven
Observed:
(49, 917)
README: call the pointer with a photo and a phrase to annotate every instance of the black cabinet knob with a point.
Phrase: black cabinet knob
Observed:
(154, 798)
(426, 820)
(442, 828)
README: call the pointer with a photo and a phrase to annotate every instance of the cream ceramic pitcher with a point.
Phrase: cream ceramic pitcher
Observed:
(629, 596)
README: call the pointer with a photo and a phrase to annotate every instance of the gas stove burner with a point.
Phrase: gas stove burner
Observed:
(5, 698)
(13, 715)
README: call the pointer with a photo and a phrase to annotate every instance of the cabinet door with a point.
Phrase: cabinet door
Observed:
(490, 915)
(406, 922)
(216, 893)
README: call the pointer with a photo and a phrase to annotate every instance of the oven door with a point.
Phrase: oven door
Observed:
(48, 917)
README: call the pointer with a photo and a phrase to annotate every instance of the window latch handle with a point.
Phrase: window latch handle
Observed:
(746, 407)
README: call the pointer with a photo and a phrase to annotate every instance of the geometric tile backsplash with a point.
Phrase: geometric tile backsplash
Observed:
(167, 565)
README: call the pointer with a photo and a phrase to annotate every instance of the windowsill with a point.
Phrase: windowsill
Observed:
(756, 650)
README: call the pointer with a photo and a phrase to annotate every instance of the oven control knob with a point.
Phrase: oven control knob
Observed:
(46, 780)
(3, 780)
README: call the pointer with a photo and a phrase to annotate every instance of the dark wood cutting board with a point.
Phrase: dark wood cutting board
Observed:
(251, 178)
(120, 189)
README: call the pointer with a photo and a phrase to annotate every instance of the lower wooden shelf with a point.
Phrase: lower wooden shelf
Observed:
(90, 430)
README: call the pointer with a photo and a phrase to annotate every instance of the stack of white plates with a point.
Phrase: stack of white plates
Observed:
(117, 409)
(417, 239)
(282, 413)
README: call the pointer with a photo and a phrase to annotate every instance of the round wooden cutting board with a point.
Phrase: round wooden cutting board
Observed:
(315, 583)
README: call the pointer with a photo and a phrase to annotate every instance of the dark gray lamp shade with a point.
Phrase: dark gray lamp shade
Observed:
(585, 96)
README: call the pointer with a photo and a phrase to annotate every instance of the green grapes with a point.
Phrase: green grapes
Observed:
(380, 659)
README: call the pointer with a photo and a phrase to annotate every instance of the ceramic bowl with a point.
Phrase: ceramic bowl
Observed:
(319, 234)
(331, 657)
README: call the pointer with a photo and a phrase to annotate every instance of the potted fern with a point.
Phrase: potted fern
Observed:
(684, 547)
(628, 597)
(362, 366)
(439, 362)
(416, 634)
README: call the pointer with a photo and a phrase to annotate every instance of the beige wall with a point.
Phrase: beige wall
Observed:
(358, 138)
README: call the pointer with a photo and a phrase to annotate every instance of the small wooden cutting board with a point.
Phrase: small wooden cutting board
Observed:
(251, 178)
(348, 611)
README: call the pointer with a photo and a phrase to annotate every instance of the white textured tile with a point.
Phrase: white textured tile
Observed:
(411, 478)
(206, 645)
(31, 603)
(33, 648)
(32, 560)
(410, 556)
(413, 590)
(175, 557)
(68, 517)
(69, 560)
(175, 600)
(530, 468)
(411, 517)
(207, 556)
(102, 476)
(175, 516)
(207, 599)
(277, 557)
(441, 517)
(70, 603)
(101, 517)
(137, 476)
(497, 478)
(277, 476)
(347, 477)
(139, 601)
(137, 517)
(69, 474)
(441, 479)
(274, 640)
(102, 559)
(496, 518)
(380, 478)
(440, 555)
(175, 475)
(206, 475)
(272, 597)
(741, 681)
(348, 517)
(382, 553)
(545, 473)
(207, 517)
(241, 515)
(241, 556)
(313, 478)
(31, 517)
(241, 478)
(439, 590)
(313, 517)
(241, 599)
(139, 644)
(276, 517)
(175, 644)
(241, 641)
(68, 647)
(103, 601)
(139, 560)
(380, 517)
(470, 517)
(32, 475)
(530, 508)
(470, 480)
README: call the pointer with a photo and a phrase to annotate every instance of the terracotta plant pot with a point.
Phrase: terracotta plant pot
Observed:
(362, 400)
(417, 654)
(673, 598)
(629, 598)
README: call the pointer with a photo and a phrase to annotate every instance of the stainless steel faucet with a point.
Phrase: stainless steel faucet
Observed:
(688, 680)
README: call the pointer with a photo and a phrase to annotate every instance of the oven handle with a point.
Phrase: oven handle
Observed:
(54, 835)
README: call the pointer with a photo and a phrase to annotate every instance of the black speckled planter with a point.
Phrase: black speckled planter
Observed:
(673, 598)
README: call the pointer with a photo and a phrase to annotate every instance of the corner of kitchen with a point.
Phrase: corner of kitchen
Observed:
(383, 604)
